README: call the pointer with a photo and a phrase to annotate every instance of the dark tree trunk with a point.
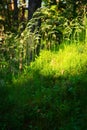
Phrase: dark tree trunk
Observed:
(15, 16)
(33, 6)
(23, 12)
(74, 8)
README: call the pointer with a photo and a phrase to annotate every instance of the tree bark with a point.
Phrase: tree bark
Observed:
(23, 11)
(32, 7)
(15, 16)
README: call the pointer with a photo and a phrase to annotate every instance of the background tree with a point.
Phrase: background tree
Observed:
(33, 6)
(15, 15)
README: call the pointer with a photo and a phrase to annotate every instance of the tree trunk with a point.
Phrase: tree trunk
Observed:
(23, 11)
(74, 8)
(33, 6)
(15, 16)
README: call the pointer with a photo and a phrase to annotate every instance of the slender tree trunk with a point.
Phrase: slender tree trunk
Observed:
(74, 8)
(23, 11)
(15, 16)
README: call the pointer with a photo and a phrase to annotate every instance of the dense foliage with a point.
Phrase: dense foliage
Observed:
(50, 94)
(43, 65)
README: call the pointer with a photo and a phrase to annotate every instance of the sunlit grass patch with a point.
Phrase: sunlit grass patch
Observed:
(71, 59)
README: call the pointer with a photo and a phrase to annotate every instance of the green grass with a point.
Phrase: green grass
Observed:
(50, 94)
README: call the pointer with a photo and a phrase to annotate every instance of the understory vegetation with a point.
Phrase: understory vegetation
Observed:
(48, 94)
(43, 72)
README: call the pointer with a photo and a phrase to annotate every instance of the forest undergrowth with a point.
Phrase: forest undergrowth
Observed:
(50, 94)
(43, 74)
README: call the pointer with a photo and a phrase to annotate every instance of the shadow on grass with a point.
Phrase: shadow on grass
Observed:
(37, 102)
